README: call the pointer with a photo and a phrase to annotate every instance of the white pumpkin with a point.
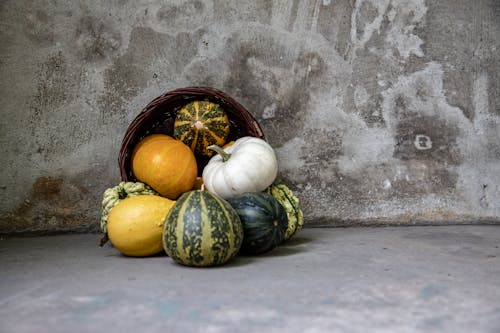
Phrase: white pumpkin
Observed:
(249, 165)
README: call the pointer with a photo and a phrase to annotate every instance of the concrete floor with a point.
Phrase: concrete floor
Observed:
(402, 279)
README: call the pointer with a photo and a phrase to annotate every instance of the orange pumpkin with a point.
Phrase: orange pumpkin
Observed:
(165, 164)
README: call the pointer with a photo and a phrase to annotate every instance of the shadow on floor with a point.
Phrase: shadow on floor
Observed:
(287, 248)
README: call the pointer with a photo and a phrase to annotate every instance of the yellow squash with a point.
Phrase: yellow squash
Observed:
(135, 224)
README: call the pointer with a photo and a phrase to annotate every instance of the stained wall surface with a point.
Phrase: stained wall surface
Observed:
(380, 111)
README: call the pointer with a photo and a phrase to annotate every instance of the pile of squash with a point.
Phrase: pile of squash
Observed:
(234, 207)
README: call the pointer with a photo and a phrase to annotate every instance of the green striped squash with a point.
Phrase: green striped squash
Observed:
(264, 221)
(200, 124)
(201, 230)
(290, 202)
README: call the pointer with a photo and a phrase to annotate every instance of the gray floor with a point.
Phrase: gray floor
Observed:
(403, 279)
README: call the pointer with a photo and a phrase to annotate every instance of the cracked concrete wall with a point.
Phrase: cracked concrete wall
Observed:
(380, 111)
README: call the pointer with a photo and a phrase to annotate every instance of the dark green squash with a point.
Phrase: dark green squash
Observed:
(202, 229)
(264, 221)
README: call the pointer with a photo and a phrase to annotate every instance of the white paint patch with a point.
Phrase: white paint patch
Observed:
(269, 111)
(364, 148)
(404, 18)
(268, 76)
(382, 83)
(478, 184)
(391, 15)
(187, 17)
(422, 142)
(327, 111)
(482, 138)
(326, 2)
(360, 96)
(423, 95)
(479, 175)
(387, 184)
(480, 100)
(369, 28)
(289, 155)
(476, 142)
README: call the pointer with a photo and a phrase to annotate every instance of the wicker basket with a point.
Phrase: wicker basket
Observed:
(159, 116)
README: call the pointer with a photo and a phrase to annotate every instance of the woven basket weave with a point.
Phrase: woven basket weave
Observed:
(159, 116)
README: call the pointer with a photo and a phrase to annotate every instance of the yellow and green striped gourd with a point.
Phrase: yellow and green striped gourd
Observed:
(290, 202)
(200, 124)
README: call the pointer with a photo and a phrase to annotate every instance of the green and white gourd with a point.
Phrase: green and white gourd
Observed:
(202, 230)
(112, 196)
(290, 202)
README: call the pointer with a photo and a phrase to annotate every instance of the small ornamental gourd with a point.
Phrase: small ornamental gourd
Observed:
(165, 164)
(264, 221)
(290, 202)
(113, 195)
(200, 124)
(202, 230)
(249, 165)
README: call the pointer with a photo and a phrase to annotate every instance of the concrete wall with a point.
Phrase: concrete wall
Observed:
(381, 111)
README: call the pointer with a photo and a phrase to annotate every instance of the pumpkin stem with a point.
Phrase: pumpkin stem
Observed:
(198, 124)
(225, 156)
